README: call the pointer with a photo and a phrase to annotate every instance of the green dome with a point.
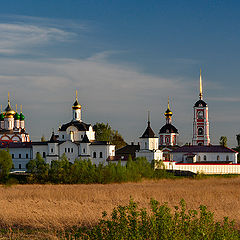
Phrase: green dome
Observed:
(1, 117)
(16, 116)
(22, 117)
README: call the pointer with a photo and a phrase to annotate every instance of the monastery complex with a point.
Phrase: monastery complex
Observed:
(76, 139)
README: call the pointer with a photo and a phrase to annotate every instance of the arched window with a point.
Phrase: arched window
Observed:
(100, 155)
(200, 131)
(227, 158)
(205, 158)
(199, 158)
(218, 157)
(94, 154)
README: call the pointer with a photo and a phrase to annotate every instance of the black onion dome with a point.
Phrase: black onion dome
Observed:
(168, 128)
(200, 103)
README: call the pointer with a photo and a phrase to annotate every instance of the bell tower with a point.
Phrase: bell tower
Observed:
(200, 120)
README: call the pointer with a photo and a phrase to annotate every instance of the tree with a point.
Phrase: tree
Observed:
(38, 168)
(118, 140)
(60, 170)
(223, 141)
(5, 164)
(104, 132)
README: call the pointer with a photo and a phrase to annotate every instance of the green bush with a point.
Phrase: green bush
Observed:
(132, 222)
(84, 171)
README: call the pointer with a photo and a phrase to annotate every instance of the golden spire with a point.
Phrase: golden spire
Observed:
(168, 103)
(8, 97)
(200, 94)
(76, 94)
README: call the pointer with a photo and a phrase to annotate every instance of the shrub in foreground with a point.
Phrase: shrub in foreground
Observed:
(132, 222)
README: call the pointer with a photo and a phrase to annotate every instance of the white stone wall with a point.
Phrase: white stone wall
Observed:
(178, 157)
(42, 149)
(70, 149)
(150, 155)
(204, 168)
(20, 157)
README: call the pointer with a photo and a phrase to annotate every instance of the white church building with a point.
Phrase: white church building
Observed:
(75, 139)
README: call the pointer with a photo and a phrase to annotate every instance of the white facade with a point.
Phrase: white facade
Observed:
(208, 168)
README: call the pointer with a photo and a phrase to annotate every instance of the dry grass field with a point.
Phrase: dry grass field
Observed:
(62, 206)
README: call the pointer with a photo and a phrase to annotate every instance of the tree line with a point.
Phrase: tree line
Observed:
(84, 171)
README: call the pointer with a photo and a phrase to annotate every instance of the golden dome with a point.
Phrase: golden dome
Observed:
(76, 104)
(9, 112)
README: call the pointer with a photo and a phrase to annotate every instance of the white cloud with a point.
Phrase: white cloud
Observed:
(19, 37)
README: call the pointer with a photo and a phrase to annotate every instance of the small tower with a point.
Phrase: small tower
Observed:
(200, 120)
(168, 133)
(76, 108)
(148, 141)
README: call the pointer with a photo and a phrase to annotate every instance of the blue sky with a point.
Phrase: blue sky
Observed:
(125, 58)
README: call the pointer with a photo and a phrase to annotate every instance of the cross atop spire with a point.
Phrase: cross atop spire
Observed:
(200, 87)
(8, 98)
(148, 118)
(76, 94)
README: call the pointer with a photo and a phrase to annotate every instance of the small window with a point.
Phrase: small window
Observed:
(12, 155)
(72, 150)
(205, 158)
(200, 131)
(75, 115)
(84, 150)
(199, 158)
(218, 157)
(227, 158)
(65, 150)
(20, 166)
(20, 156)
(62, 136)
(26, 155)
(44, 154)
(100, 155)
(52, 150)
(81, 136)
(94, 154)
(68, 149)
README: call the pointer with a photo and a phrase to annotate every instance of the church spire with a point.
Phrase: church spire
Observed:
(148, 118)
(200, 87)
(168, 114)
